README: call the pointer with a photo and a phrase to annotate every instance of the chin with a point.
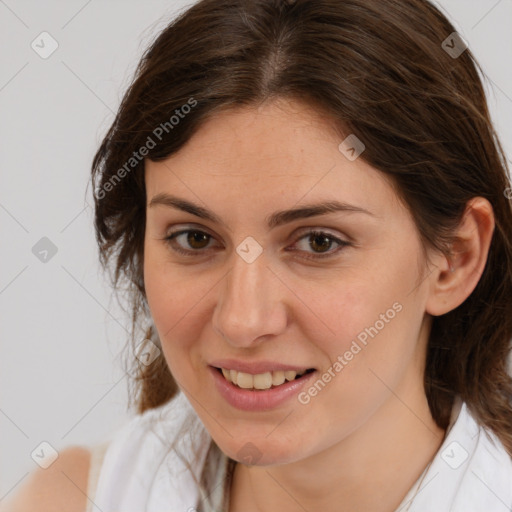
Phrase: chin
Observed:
(260, 452)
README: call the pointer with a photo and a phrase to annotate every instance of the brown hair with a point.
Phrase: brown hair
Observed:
(380, 69)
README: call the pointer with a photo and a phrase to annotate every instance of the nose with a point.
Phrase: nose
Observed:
(251, 304)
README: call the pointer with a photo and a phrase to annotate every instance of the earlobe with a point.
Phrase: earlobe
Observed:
(458, 274)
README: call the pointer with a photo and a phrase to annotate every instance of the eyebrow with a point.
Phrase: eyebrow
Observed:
(276, 219)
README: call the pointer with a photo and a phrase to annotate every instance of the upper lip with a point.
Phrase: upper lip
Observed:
(256, 367)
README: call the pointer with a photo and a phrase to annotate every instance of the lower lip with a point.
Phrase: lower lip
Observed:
(258, 400)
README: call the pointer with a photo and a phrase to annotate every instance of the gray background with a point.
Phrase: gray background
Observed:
(62, 332)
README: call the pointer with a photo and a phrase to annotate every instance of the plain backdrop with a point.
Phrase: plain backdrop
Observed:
(61, 330)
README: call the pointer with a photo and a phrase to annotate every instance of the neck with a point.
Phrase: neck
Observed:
(372, 469)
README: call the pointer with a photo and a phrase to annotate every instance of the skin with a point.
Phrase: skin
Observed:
(363, 441)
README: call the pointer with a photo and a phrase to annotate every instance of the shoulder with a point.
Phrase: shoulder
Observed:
(62, 486)
(483, 466)
(148, 460)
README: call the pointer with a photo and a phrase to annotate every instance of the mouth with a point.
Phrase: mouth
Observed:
(262, 381)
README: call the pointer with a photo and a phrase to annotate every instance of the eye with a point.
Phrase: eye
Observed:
(193, 238)
(321, 243)
(191, 242)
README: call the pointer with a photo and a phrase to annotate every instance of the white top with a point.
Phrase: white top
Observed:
(471, 472)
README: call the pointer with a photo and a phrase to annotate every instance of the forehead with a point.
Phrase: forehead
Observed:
(283, 150)
(272, 132)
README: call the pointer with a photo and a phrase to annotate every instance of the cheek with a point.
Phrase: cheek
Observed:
(375, 342)
(366, 322)
(353, 310)
(174, 303)
(177, 323)
(170, 291)
(181, 302)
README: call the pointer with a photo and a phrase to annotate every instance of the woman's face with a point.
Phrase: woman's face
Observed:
(255, 291)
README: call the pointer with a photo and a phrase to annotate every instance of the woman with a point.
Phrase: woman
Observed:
(309, 203)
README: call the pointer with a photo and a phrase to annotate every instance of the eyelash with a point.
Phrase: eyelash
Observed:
(169, 240)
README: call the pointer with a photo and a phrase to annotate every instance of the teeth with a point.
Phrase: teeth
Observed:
(278, 377)
(260, 380)
(290, 375)
(244, 380)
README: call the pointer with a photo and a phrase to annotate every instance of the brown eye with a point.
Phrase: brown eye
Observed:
(318, 244)
(188, 241)
(197, 239)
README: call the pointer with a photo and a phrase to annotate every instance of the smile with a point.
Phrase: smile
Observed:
(257, 391)
(261, 381)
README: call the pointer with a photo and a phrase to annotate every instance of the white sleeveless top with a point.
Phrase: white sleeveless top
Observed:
(136, 470)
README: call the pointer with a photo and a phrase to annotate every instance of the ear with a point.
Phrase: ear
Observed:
(456, 277)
